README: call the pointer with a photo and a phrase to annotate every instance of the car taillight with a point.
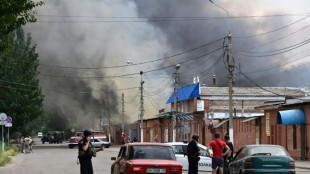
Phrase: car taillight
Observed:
(292, 164)
(137, 170)
(175, 170)
(248, 163)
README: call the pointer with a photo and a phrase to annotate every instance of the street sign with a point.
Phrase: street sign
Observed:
(9, 119)
(3, 119)
(8, 125)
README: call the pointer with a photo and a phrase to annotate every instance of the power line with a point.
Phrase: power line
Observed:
(140, 63)
(131, 74)
(291, 46)
(268, 55)
(283, 37)
(171, 17)
(57, 90)
(236, 37)
(256, 83)
(266, 69)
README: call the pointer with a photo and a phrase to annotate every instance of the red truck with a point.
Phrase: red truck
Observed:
(73, 141)
(142, 158)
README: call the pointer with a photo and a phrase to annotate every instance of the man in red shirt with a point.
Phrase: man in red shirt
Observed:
(217, 147)
(123, 138)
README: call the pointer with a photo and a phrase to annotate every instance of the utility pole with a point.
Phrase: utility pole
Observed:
(175, 104)
(230, 80)
(108, 113)
(141, 107)
(123, 113)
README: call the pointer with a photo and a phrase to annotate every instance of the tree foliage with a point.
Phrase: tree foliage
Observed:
(20, 94)
(14, 14)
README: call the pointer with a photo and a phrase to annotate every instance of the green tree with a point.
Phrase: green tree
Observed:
(20, 94)
(14, 14)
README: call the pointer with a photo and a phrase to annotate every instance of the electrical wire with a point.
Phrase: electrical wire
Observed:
(134, 64)
(170, 17)
(268, 55)
(131, 74)
(238, 37)
(273, 41)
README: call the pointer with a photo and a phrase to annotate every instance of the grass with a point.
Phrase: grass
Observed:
(9, 150)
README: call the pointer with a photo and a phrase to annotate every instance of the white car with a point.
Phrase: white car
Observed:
(204, 164)
(99, 143)
(40, 135)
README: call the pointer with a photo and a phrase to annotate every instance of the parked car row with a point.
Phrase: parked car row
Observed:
(171, 158)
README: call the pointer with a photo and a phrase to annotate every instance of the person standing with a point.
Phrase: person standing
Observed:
(193, 153)
(155, 140)
(217, 147)
(22, 143)
(86, 152)
(123, 138)
(229, 156)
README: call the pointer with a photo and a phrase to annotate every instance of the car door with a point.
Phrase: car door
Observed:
(205, 162)
(95, 142)
(236, 164)
(118, 165)
(180, 151)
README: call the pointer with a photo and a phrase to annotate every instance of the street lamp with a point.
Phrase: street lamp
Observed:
(230, 75)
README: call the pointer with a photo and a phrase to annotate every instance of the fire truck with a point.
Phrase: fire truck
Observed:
(73, 141)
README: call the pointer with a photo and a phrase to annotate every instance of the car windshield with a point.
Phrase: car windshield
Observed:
(151, 152)
(268, 150)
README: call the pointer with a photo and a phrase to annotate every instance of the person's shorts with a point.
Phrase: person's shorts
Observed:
(217, 162)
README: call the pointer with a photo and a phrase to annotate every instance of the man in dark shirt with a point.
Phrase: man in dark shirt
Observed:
(193, 153)
(86, 152)
(229, 156)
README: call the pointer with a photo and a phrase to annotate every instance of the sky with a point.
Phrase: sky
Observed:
(113, 40)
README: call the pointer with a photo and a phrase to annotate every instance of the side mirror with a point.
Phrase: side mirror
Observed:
(113, 158)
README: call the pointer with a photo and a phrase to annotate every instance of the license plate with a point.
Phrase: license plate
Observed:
(150, 170)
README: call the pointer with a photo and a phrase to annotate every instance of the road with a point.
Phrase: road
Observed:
(57, 159)
(51, 159)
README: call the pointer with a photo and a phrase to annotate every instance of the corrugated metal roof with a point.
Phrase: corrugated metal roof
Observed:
(185, 93)
(252, 91)
(186, 117)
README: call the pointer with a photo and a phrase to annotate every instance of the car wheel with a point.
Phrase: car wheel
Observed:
(71, 146)
(43, 142)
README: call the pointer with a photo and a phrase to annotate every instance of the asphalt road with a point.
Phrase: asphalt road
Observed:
(58, 158)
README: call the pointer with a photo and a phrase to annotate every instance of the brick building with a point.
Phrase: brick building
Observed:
(208, 109)
(287, 124)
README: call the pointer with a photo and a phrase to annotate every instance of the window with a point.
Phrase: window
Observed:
(203, 152)
(178, 149)
(294, 137)
(151, 152)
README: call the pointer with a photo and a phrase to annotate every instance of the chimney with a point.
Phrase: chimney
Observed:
(214, 81)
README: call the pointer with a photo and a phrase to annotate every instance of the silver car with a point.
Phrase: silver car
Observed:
(99, 143)
(204, 164)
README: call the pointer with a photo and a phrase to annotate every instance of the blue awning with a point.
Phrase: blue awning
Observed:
(291, 117)
(185, 93)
